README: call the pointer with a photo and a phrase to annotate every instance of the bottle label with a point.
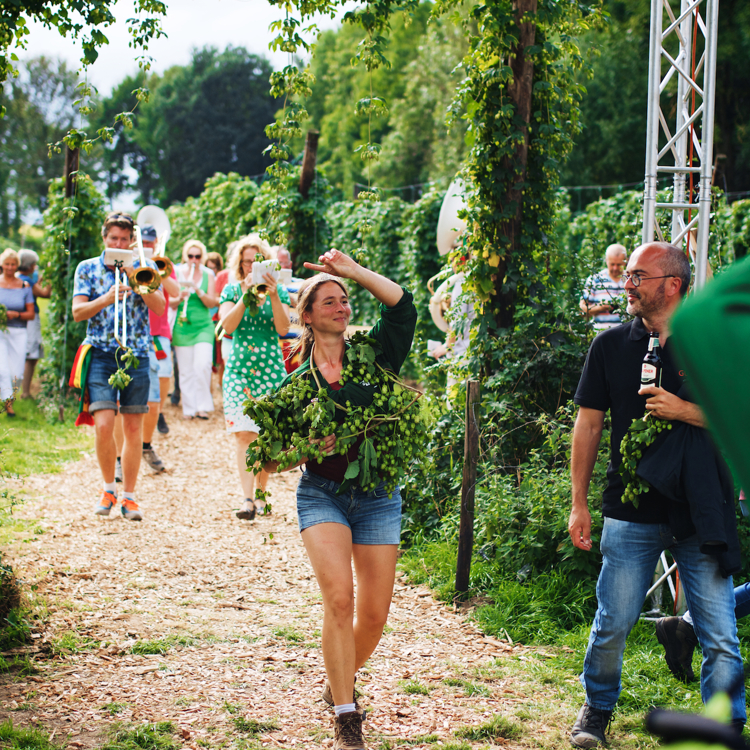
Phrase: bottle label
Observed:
(648, 373)
(653, 343)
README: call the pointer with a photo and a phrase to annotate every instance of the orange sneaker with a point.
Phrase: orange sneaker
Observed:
(107, 502)
(130, 510)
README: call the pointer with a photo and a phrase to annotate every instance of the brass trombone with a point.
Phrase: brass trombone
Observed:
(144, 280)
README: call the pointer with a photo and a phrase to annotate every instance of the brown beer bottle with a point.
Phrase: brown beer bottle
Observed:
(651, 367)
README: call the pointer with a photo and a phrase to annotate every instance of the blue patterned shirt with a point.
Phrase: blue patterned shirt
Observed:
(93, 279)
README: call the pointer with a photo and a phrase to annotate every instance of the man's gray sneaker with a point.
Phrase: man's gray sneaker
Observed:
(590, 727)
(150, 457)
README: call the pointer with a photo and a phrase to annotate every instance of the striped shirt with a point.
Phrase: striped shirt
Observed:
(599, 289)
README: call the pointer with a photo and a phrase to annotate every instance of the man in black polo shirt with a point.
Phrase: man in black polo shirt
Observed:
(633, 538)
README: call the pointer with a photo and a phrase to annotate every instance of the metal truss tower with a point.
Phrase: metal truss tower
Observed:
(684, 47)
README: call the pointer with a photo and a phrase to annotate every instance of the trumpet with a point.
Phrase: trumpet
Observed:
(183, 312)
(144, 280)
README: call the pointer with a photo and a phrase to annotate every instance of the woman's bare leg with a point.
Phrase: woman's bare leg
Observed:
(375, 565)
(348, 643)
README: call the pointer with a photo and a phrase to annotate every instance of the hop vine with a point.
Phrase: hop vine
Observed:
(380, 440)
(640, 435)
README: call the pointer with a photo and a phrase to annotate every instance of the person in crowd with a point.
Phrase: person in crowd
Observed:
(94, 301)
(355, 526)
(603, 290)
(17, 296)
(28, 262)
(193, 334)
(224, 343)
(677, 635)
(215, 263)
(255, 365)
(160, 362)
(658, 276)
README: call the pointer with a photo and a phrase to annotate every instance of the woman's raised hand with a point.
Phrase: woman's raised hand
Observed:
(335, 263)
(271, 284)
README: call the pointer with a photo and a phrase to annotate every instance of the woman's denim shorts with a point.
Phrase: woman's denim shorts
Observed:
(373, 517)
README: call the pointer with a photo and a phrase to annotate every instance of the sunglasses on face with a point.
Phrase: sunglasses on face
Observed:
(194, 257)
(121, 217)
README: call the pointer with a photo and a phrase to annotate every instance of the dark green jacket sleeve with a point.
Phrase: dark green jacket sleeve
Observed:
(395, 331)
(711, 335)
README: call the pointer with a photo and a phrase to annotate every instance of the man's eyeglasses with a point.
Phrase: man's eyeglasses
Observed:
(194, 257)
(636, 278)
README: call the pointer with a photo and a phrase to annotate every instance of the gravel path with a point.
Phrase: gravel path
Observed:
(231, 614)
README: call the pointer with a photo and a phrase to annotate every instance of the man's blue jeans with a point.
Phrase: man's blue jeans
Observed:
(630, 552)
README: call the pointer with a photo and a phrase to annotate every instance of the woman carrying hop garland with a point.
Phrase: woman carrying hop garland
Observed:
(359, 526)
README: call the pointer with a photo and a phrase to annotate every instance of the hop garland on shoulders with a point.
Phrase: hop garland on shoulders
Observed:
(640, 435)
(391, 431)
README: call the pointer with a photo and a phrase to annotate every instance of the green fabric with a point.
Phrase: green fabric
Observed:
(711, 336)
(395, 333)
(198, 327)
(256, 365)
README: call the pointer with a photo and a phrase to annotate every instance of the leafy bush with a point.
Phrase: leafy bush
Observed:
(72, 234)
(219, 215)
(538, 583)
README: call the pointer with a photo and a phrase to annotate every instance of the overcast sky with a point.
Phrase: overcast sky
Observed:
(188, 24)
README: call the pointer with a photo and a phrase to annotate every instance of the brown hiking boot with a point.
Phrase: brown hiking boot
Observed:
(348, 732)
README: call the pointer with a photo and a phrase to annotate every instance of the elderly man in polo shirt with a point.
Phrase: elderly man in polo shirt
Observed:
(602, 291)
(657, 276)
(93, 301)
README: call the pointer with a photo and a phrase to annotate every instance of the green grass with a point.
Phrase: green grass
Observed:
(253, 727)
(470, 688)
(556, 617)
(413, 687)
(498, 727)
(29, 444)
(157, 736)
(114, 708)
(20, 664)
(161, 646)
(70, 642)
(289, 634)
(24, 739)
(421, 739)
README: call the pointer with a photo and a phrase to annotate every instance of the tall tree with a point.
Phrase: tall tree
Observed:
(122, 164)
(39, 110)
(612, 146)
(206, 117)
(339, 84)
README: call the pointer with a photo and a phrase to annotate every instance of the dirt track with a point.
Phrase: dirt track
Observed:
(236, 612)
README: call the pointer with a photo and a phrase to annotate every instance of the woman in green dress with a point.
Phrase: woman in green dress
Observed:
(193, 334)
(256, 365)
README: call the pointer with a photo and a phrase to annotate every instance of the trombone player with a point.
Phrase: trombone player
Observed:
(94, 301)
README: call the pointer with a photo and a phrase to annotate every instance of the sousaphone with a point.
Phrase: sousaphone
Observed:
(158, 219)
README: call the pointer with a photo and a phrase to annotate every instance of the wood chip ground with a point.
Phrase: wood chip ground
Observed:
(240, 604)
